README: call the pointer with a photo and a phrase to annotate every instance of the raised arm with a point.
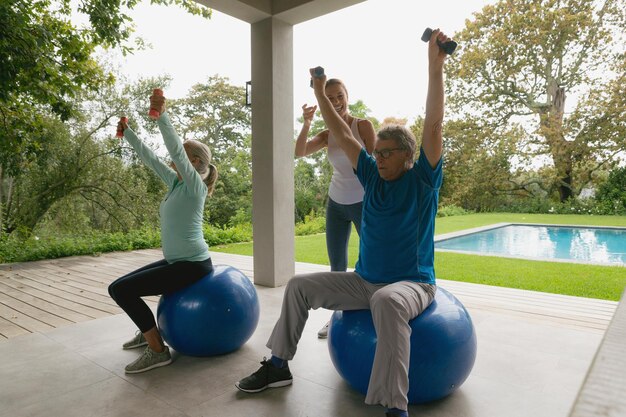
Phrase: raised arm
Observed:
(432, 141)
(147, 156)
(340, 130)
(175, 148)
(368, 134)
(177, 152)
(304, 146)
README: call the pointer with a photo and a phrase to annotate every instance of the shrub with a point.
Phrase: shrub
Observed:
(215, 235)
(451, 210)
(546, 206)
(611, 195)
(15, 249)
(532, 205)
(311, 225)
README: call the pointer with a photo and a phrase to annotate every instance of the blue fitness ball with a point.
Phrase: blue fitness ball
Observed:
(213, 316)
(443, 348)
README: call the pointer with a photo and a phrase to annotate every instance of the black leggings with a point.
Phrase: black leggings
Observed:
(157, 278)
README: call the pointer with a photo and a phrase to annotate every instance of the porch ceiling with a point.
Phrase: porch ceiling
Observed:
(289, 11)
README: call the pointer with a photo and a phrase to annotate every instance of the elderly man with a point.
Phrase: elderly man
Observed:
(394, 275)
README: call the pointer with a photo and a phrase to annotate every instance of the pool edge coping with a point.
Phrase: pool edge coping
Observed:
(466, 232)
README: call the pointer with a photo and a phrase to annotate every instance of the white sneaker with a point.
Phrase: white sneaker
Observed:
(323, 333)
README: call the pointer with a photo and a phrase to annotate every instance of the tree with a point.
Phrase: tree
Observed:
(47, 61)
(611, 194)
(78, 171)
(521, 60)
(215, 113)
(479, 173)
(233, 192)
(308, 192)
(394, 121)
(80, 164)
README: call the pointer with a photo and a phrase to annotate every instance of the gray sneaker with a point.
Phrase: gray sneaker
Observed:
(323, 333)
(135, 342)
(149, 359)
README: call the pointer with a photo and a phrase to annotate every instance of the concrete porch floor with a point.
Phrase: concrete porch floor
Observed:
(529, 363)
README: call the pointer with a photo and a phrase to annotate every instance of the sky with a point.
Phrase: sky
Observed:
(374, 47)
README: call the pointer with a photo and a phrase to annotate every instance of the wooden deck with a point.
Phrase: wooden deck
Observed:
(43, 295)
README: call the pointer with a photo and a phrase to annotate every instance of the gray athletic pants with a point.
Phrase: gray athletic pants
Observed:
(392, 306)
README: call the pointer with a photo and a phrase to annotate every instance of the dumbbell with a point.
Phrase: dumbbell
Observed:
(317, 73)
(447, 47)
(153, 113)
(119, 133)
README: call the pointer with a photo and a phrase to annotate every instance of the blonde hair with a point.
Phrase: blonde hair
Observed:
(337, 81)
(207, 171)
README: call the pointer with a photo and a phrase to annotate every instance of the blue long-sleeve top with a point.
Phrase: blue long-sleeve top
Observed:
(182, 207)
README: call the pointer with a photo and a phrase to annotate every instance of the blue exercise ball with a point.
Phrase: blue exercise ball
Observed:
(213, 316)
(443, 348)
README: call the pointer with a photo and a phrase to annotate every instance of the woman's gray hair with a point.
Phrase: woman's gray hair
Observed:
(403, 136)
(207, 171)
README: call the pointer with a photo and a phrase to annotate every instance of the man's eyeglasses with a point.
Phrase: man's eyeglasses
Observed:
(384, 153)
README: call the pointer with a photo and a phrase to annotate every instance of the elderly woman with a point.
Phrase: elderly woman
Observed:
(189, 178)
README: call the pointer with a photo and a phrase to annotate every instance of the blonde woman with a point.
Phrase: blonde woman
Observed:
(345, 194)
(190, 178)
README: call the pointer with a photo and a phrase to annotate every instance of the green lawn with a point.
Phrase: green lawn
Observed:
(561, 278)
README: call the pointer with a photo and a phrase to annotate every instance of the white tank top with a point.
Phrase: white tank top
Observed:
(345, 187)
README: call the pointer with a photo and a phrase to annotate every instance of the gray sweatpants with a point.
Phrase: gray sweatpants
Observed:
(392, 306)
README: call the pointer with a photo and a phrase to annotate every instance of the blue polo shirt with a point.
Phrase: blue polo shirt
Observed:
(398, 222)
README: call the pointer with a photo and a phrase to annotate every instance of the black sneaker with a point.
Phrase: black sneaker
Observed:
(268, 376)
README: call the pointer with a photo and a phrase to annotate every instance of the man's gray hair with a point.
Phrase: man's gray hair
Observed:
(403, 136)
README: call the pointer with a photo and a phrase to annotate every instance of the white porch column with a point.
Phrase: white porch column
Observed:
(272, 152)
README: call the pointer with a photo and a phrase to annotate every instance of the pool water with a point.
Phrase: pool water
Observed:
(583, 244)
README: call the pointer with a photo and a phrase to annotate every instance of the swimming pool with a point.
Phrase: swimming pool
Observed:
(599, 245)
